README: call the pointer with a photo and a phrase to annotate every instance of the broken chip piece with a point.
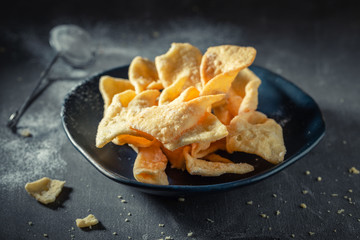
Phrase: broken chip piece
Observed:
(45, 190)
(88, 221)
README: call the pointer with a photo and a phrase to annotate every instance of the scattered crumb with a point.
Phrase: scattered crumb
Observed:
(270, 228)
(354, 170)
(249, 203)
(88, 221)
(190, 234)
(340, 211)
(334, 230)
(25, 133)
(168, 238)
(263, 215)
(292, 235)
(123, 201)
(30, 223)
(307, 172)
(161, 225)
(346, 197)
(311, 233)
(358, 219)
(89, 210)
(350, 190)
(303, 205)
(119, 197)
(127, 220)
(274, 195)
(129, 237)
(181, 199)
(45, 235)
(114, 233)
(305, 191)
(277, 213)
(334, 194)
(319, 179)
(129, 214)
(210, 220)
(162, 233)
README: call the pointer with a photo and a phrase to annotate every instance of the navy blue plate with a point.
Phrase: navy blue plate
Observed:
(297, 112)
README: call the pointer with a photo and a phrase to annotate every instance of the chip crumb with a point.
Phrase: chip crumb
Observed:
(307, 172)
(119, 197)
(346, 197)
(350, 190)
(123, 201)
(114, 233)
(190, 234)
(319, 179)
(30, 223)
(292, 235)
(181, 199)
(132, 195)
(358, 219)
(354, 170)
(45, 235)
(129, 214)
(305, 191)
(161, 225)
(249, 202)
(210, 220)
(334, 230)
(127, 220)
(45, 190)
(263, 215)
(162, 233)
(270, 228)
(303, 205)
(334, 194)
(168, 238)
(340, 211)
(277, 213)
(311, 233)
(129, 237)
(25, 133)
(274, 195)
(88, 221)
(89, 210)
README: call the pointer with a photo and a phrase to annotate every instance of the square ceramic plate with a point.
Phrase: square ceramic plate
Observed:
(294, 110)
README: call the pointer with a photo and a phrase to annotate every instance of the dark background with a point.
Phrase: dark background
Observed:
(312, 43)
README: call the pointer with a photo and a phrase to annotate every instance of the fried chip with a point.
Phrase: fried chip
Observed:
(225, 59)
(172, 91)
(155, 85)
(176, 157)
(203, 149)
(116, 119)
(252, 132)
(202, 167)
(217, 158)
(134, 140)
(219, 84)
(187, 95)
(245, 86)
(109, 86)
(181, 61)
(150, 164)
(142, 72)
(167, 122)
(88, 221)
(45, 190)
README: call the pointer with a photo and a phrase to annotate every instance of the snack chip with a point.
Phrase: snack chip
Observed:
(45, 190)
(88, 221)
(207, 103)
(142, 72)
(253, 132)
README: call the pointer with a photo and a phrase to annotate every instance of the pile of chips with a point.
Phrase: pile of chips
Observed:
(183, 107)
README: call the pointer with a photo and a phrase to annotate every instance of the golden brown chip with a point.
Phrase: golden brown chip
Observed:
(188, 94)
(172, 91)
(217, 158)
(116, 119)
(176, 157)
(225, 59)
(252, 132)
(205, 168)
(88, 221)
(245, 86)
(181, 61)
(109, 86)
(142, 72)
(219, 84)
(167, 122)
(149, 166)
(223, 114)
(134, 140)
(202, 149)
(155, 85)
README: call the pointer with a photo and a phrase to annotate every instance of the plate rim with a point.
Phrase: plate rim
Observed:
(189, 188)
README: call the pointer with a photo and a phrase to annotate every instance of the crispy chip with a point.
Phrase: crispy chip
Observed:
(217, 158)
(88, 221)
(134, 140)
(219, 84)
(109, 86)
(188, 94)
(223, 114)
(245, 86)
(155, 85)
(167, 122)
(149, 166)
(142, 72)
(115, 121)
(205, 168)
(176, 157)
(202, 149)
(181, 61)
(252, 132)
(225, 59)
(172, 91)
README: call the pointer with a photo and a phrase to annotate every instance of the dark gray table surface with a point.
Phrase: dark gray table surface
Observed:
(315, 45)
